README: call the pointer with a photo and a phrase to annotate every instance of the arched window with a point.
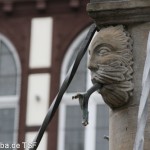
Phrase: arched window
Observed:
(72, 135)
(9, 91)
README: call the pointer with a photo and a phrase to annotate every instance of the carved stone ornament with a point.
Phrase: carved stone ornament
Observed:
(111, 63)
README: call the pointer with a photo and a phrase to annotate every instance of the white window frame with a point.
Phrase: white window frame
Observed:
(90, 132)
(12, 101)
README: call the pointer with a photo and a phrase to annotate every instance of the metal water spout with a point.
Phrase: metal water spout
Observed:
(83, 101)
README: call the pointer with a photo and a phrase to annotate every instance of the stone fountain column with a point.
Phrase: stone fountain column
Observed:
(135, 16)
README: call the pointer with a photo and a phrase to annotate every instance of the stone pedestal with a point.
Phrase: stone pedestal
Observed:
(135, 15)
(123, 121)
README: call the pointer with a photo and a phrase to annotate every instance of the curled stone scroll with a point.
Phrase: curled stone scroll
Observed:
(111, 64)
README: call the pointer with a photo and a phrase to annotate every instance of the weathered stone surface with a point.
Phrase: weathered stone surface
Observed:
(135, 15)
(93, 1)
(123, 122)
(117, 4)
(111, 64)
(119, 12)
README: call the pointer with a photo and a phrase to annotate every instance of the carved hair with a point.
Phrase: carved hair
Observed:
(115, 36)
(118, 38)
(116, 72)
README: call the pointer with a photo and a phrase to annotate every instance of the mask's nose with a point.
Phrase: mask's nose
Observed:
(92, 66)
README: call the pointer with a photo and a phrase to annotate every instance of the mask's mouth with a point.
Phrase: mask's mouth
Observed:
(83, 101)
(94, 81)
(97, 82)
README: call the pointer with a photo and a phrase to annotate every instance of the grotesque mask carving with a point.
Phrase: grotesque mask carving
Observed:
(111, 65)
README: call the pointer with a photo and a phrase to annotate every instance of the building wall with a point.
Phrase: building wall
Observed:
(15, 24)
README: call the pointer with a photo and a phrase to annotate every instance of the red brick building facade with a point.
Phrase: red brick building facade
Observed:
(67, 19)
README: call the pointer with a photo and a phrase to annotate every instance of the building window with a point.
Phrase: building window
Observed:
(41, 42)
(29, 139)
(38, 98)
(10, 71)
(39, 79)
(72, 135)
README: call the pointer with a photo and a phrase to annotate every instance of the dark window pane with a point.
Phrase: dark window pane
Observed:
(7, 125)
(8, 71)
(74, 131)
(102, 127)
(7, 85)
(4, 49)
(78, 83)
(7, 65)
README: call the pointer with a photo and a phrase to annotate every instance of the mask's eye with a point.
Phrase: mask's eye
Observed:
(103, 51)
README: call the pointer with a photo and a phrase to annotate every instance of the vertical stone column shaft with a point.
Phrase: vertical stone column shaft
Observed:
(135, 15)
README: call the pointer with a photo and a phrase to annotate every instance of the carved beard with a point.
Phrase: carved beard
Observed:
(116, 79)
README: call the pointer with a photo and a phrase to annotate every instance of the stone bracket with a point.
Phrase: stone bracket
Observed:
(119, 12)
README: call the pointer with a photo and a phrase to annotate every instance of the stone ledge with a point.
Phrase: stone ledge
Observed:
(122, 4)
(112, 12)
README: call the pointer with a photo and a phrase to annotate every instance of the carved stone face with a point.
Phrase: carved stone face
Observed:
(111, 65)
